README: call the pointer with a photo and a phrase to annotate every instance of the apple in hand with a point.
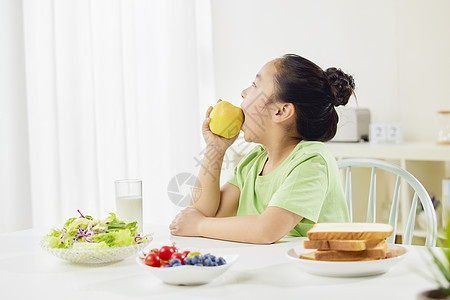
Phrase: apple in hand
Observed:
(226, 119)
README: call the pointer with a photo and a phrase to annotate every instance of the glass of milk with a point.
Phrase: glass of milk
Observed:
(129, 201)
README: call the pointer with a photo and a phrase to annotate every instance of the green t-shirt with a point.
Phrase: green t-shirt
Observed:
(307, 183)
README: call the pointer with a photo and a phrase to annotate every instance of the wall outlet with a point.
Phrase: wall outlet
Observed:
(377, 134)
(394, 133)
(386, 134)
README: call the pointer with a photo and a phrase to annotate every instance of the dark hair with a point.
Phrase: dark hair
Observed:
(314, 93)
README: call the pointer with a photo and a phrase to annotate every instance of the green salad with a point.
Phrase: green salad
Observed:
(87, 232)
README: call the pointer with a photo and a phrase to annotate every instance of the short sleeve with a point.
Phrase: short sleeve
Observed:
(234, 179)
(304, 190)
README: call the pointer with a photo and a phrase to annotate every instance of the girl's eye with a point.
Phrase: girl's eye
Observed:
(253, 84)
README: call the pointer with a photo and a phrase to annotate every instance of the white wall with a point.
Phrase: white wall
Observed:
(397, 50)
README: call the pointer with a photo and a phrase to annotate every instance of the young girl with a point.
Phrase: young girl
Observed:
(289, 182)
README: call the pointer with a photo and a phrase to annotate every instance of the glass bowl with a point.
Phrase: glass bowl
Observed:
(95, 255)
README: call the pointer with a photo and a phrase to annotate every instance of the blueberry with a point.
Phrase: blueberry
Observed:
(175, 261)
(187, 261)
(207, 255)
(207, 262)
(167, 266)
(212, 258)
(199, 265)
(221, 261)
(196, 259)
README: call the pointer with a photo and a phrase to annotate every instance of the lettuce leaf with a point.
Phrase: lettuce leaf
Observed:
(119, 238)
(109, 232)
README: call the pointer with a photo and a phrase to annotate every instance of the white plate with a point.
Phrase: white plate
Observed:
(189, 275)
(95, 255)
(347, 268)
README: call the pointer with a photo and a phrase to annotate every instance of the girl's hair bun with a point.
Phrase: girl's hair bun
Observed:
(341, 85)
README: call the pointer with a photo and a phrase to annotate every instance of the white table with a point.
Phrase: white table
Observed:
(262, 272)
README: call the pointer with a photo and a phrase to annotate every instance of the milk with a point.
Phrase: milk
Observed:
(129, 209)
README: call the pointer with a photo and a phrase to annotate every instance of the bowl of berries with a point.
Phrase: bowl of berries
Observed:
(173, 266)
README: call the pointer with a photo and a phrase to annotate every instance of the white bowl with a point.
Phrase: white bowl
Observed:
(347, 268)
(187, 274)
(95, 255)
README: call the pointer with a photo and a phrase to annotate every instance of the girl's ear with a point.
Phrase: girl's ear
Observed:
(283, 112)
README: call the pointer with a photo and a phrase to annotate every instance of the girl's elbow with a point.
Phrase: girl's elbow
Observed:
(269, 240)
(268, 236)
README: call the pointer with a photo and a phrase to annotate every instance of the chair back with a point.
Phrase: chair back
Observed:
(420, 194)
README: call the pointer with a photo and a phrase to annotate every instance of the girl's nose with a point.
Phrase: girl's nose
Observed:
(244, 94)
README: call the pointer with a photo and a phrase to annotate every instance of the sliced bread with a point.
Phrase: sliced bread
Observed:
(349, 231)
(378, 252)
(342, 245)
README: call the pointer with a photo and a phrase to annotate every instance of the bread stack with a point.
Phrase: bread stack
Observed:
(348, 242)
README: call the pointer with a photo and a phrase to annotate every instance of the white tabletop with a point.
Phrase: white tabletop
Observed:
(262, 271)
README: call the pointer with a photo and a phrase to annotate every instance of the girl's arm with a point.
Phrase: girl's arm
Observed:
(213, 201)
(229, 200)
(209, 195)
(208, 182)
(267, 228)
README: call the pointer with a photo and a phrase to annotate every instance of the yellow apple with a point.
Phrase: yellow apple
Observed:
(226, 119)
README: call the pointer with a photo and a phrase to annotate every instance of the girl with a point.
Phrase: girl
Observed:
(290, 181)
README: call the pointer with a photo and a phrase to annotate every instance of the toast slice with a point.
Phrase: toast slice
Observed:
(349, 231)
(311, 256)
(390, 253)
(342, 245)
(378, 252)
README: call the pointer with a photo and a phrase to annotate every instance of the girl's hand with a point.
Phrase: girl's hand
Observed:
(186, 222)
(219, 143)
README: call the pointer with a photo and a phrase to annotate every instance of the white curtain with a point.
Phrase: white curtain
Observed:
(94, 91)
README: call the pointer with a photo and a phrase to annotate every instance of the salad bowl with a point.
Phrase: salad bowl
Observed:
(94, 255)
(92, 241)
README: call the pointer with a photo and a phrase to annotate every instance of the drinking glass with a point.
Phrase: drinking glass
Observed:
(444, 132)
(129, 201)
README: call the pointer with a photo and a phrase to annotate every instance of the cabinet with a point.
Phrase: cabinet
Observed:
(428, 162)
